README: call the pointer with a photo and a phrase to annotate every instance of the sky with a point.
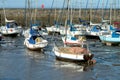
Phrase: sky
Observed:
(59, 3)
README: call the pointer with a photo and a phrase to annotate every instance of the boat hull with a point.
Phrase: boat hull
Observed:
(73, 56)
(10, 31)
(69, 41)
(109, 39)
(36, 46)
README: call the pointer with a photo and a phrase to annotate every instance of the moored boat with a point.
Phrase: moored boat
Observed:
(35, 42)
(73, 53)
(11, 28)
(113, 38)
(74, 40)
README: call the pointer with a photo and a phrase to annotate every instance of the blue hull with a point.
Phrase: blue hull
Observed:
(109, 39)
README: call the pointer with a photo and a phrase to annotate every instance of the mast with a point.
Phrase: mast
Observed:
(55, 14)
(35, 11)
(110, 13)
(86, 7)
(71, 14)
(80, 9)
(50, 12)
(4, 11)
(25, 14)
(91, 10)
(4, 14)
(67, 18)
(114, 9)
(102, 9)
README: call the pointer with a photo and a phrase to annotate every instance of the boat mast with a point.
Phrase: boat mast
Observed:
(86, 8)
(80, 9)
(114, 10)
(25, 14)
(102, 9)
(35, 11)
(4, 11)
(91, 10)
(67, 18)
(55, 15)
(110, 13)
(49, 20)
(71, 13)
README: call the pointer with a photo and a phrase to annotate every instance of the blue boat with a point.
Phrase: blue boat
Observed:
(35, 42)
(113, 38)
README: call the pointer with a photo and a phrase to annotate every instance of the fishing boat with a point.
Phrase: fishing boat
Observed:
(35, 42)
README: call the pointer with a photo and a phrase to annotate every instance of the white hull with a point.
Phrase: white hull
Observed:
(73, 56)
(27, 34)
(79, 30)
(69, 56)
(68, 40)
(10, 31)
(35, 46)
(54, 29)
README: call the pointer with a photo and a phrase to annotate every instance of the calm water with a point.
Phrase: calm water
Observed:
(19, 63)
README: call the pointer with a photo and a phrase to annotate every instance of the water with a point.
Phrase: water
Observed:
(19, 63)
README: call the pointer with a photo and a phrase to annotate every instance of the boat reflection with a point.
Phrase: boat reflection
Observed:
(75, 66)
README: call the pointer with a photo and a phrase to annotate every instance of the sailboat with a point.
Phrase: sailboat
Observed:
(112, 38)
(74, 33)
(57, 26)
(74, 53)
(34, 40)
(11, 27)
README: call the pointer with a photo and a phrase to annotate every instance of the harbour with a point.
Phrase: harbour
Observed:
(19, 63)
(75, 40)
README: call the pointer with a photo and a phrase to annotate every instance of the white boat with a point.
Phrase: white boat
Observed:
(55, 28)
(74, 30)
(72, 53)
(95, 30)
(11, 28)
(74, 40)
(35, 42)
(27, 33)
(113, 38)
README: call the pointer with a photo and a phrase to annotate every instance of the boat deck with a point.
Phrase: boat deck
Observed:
(73, 50)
